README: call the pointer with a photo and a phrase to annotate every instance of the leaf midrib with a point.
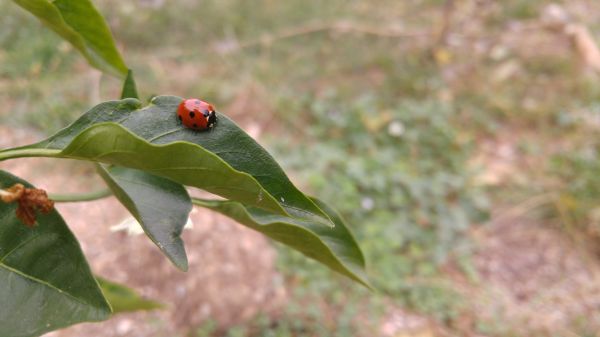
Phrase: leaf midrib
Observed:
(3, 258)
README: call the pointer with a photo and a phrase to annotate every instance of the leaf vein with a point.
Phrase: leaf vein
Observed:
(19, 246)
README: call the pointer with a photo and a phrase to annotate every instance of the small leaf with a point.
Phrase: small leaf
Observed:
(124, 299)
(158, 124)
(129, 87)
(80, 23)
(45, 281)
(160, 205)
(334, 247)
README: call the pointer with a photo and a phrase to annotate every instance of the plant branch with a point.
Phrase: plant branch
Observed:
(95, 195)
(23, 153)
(341, 27)
(201, 202)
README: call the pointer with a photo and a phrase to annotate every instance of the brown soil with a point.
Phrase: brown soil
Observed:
(535, 279)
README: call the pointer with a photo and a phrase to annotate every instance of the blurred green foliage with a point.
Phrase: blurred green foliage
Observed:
(399, 176)
(32, 61)
(382, 127)
(576, 182)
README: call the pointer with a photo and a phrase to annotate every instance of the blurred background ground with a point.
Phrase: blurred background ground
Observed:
(458, 138)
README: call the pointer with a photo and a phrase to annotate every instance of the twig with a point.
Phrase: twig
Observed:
(95, 195)
(342, 27)
(447, 14)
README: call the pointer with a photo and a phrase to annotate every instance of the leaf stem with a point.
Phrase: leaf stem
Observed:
(25, 152)
(95, 195)
(22, 153)
(201, 202)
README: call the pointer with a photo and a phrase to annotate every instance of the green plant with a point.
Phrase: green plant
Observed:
(146, 159)
(576, 201)
(405, 180)
(405, 185)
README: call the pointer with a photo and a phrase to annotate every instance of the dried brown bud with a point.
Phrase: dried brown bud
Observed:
(30, 200)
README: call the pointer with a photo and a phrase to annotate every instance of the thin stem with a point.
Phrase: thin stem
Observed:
(22, 153)
(202, 202)
(342, 27)
(95, 195)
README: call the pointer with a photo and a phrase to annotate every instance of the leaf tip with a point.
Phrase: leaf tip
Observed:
(182, 265)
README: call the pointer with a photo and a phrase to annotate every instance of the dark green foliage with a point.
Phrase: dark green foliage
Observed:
(43, 272)
(160, 205)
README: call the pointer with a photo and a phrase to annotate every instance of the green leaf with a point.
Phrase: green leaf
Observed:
(158, 124)
(182, 162)
(160, 205)
(45, 281)
(129, 87)
(334, 247)
(123, 299)
(78, 22)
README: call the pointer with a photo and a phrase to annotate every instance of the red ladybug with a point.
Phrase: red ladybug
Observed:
(196, 114)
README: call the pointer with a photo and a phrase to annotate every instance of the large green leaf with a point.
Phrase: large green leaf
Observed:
(158, 124)
(182, 162)
(160, 205)
(78, 22)
(123, 299)
(45, 281)
(335, 247)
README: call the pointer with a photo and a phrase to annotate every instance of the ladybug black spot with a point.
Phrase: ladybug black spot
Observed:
(195, 125)
(192, 114)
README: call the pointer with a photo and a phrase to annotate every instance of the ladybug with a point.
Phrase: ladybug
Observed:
(196, 114)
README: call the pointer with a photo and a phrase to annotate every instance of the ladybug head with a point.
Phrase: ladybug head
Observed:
(211, 119)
